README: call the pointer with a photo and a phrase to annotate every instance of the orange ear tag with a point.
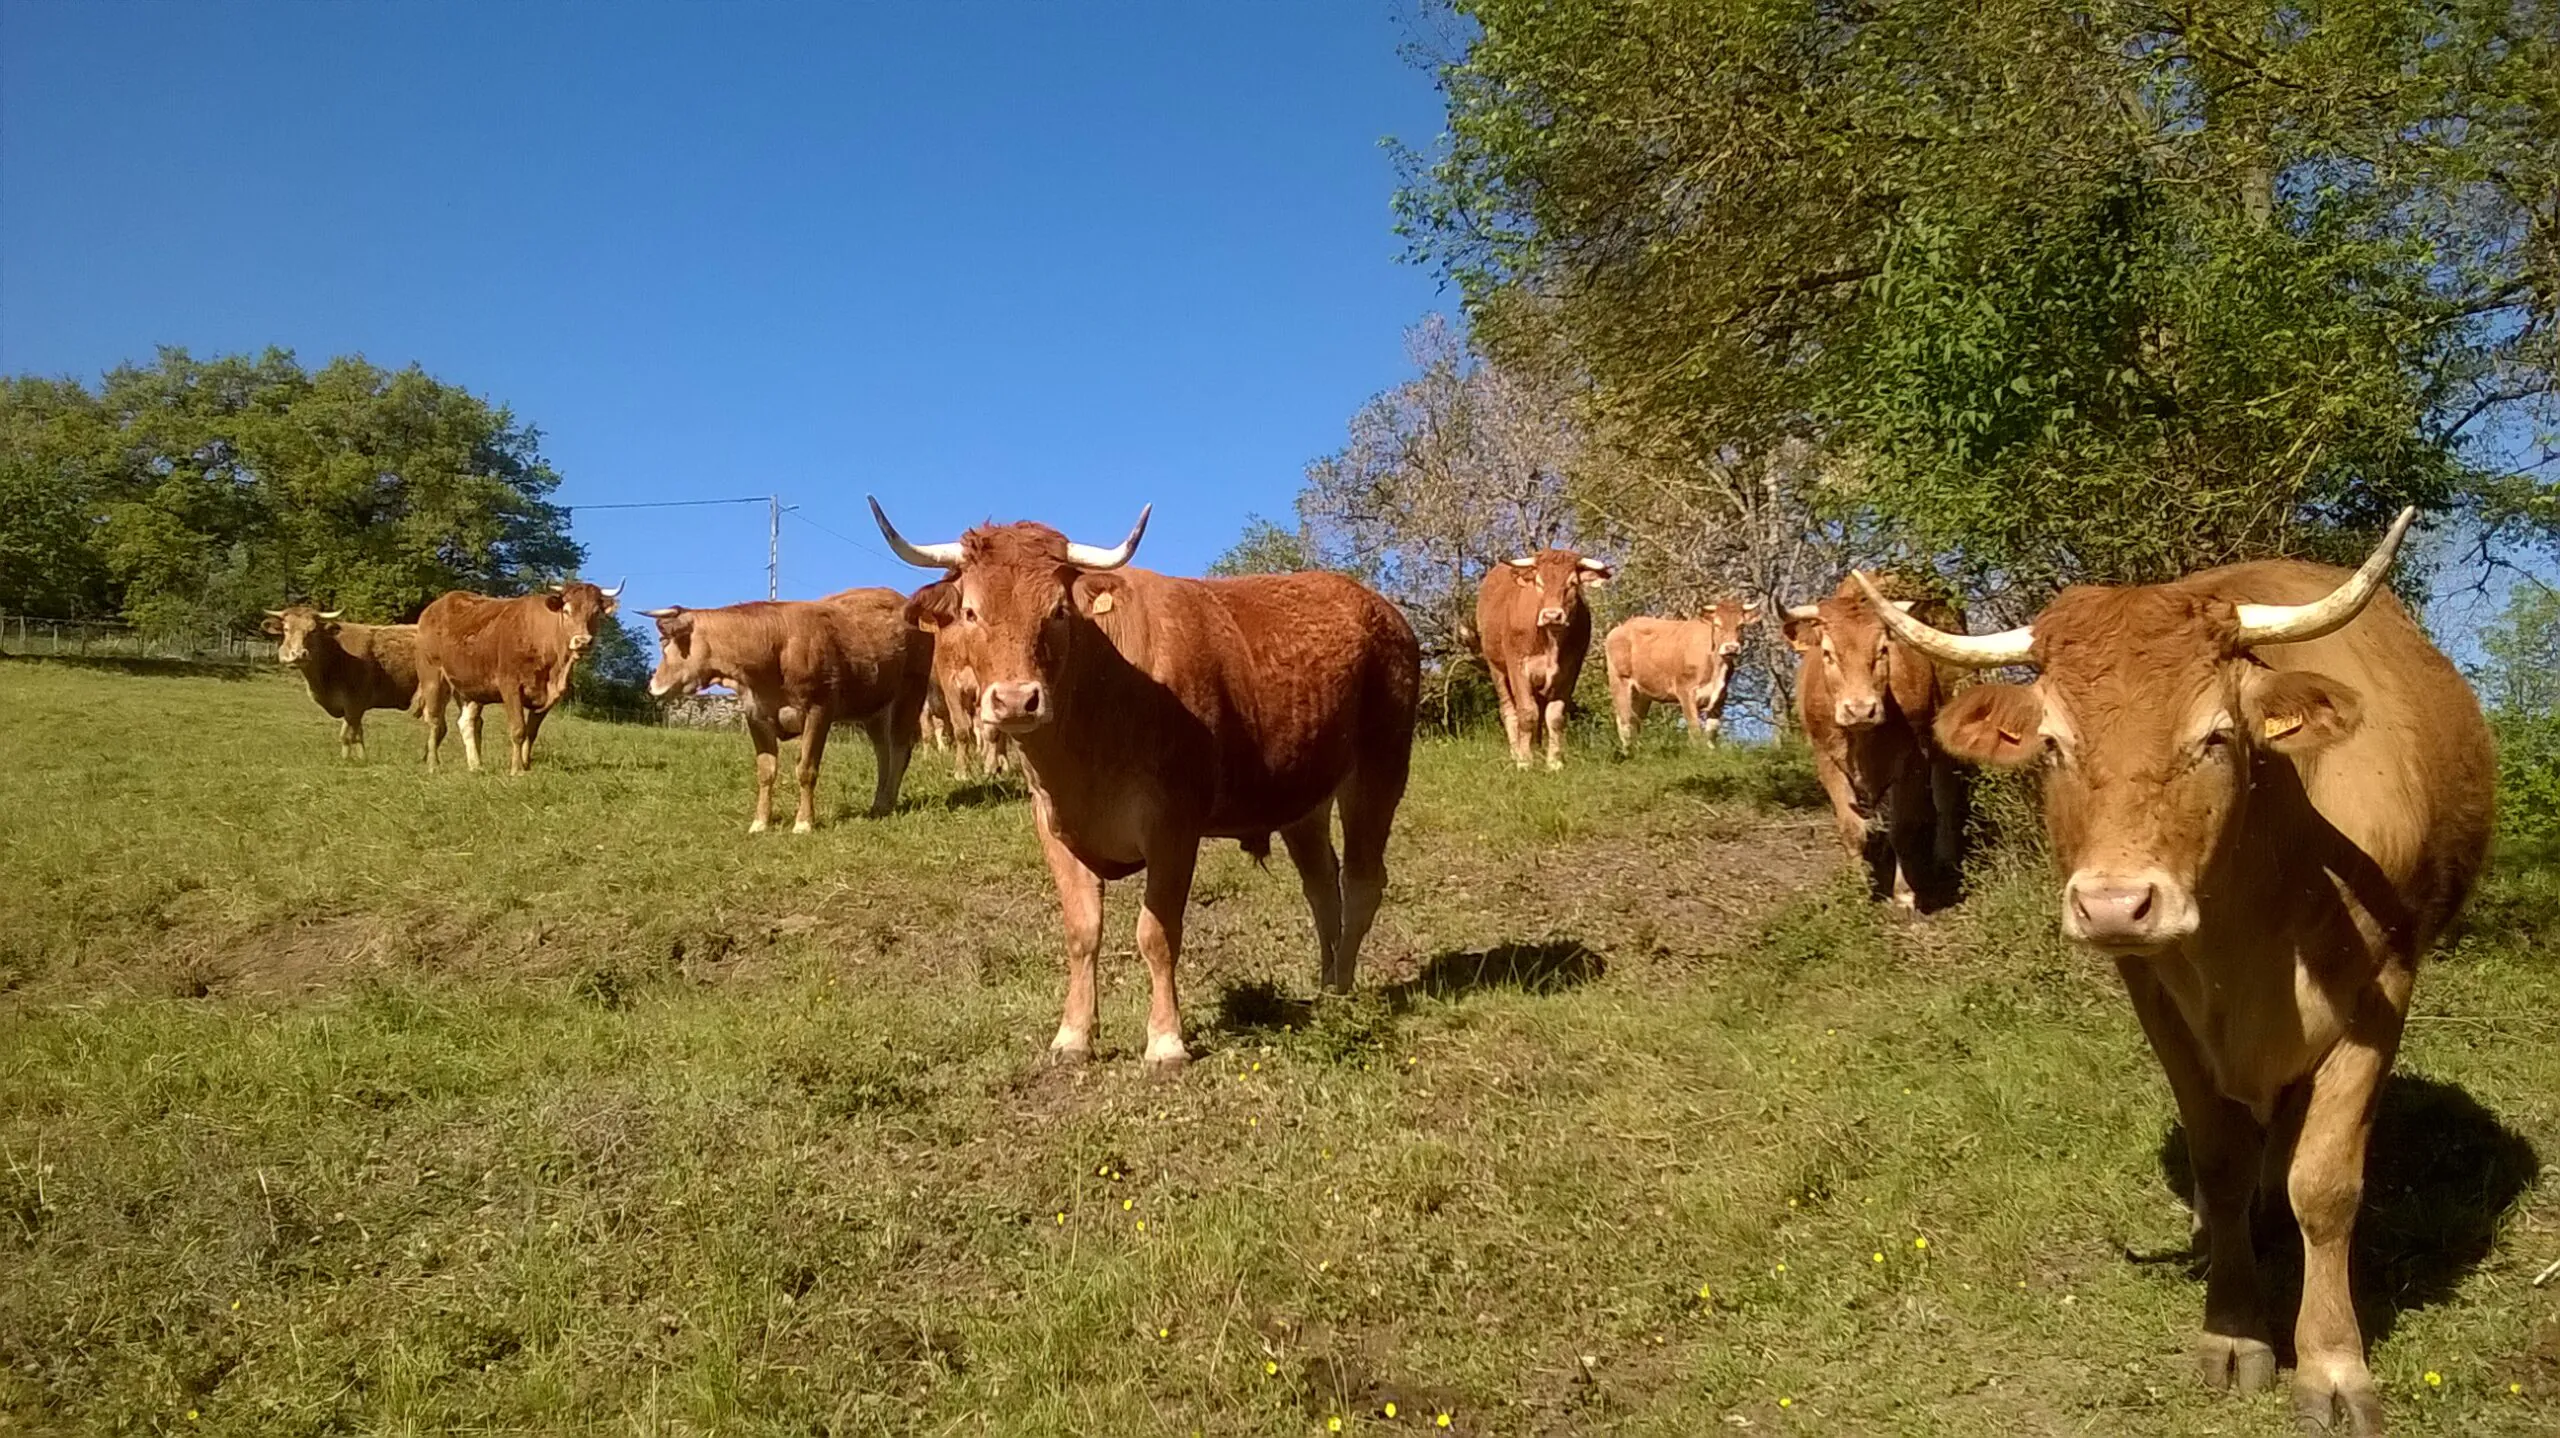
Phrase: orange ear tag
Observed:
(1102, 602)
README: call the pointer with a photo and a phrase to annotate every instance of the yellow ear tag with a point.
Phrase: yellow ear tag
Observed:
(929, 626)
(2008, 738)
(2276, 726)
(1102, 602)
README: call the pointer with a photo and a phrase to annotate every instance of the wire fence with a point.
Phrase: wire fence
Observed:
(25, 634)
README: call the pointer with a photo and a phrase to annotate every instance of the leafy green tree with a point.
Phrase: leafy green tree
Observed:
(2519, 681)
(191, 494)
(612, 680)
(2106, 291)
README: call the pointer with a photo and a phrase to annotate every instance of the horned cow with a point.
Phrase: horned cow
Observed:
(1675, 661)
(350, 669)
(514, 652)
(2269, 794)
(1151, 713)
(1534, 630)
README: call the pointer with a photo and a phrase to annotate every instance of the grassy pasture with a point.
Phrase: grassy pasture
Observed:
(338, 1098)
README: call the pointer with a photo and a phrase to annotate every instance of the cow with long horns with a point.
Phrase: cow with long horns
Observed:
(514, 652)
(801, 667)
(2269, 794)
(1151, 713)
(350, 669)
(1534, 630)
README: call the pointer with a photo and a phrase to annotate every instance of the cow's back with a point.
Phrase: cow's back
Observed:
(865, 654)
(1663, 658)
(386, 658)
(1282, 681)
(472, 638)
(2415, 785)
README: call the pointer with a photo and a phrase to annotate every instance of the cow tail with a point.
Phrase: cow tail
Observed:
(1259, 846)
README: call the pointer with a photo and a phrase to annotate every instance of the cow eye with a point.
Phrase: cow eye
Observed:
(968, 614)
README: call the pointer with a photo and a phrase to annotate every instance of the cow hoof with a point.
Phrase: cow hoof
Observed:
(2337, 1403)
(758, 827)
(2244, 1365)
(1069, 1053)
(802, 827)
(1165, 1066)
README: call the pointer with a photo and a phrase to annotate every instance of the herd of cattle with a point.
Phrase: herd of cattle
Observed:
(2267, 791)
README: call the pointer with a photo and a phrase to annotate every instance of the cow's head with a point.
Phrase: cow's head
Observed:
(1728, 617)
(582, 607)
(1844, 640)
(684, 662)
(2148, 711)
(1015, 599)
(1559, 576)
(296, 627)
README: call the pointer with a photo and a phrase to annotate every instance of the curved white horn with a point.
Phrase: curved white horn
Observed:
(1529, 563)
(1589, 564)
(331, 613)
(1085, 556)
(2288, 623)
(616, 591)
(1804, 611)
(272, 613)
(1973, 651)
(922, 556)
(670, 612)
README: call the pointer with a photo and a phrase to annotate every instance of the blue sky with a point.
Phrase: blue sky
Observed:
(1019, 260)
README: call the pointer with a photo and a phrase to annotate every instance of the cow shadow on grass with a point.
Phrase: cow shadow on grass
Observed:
(1547, 967)
(974, 794)
(2441, 1173)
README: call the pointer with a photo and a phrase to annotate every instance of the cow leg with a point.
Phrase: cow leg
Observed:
(1628, 707)
(1951, 798)
(1310, 842)
(1160, 944)
(2331, 1385)
(1368, 811)
(1864, 846)
(1555, 734)
(514, 702)
(1080, 906)
(2223, 1142)
(351, 736)
(768, 741)
(891, 749)
(1919, 884)
(431, 715)
(470, 724)
(532, 731)
(1516, 722)
(814, 724)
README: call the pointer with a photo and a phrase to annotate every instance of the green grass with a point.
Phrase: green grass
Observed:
(339, 1098)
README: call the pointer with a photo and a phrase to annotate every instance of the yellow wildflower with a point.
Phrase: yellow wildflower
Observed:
(1920, 1243)
(1442, 1420)
(2434, 1379)
(1879, 1257)
(1390, 1409)
(1269, 1368)
(1333, 1424)
(1786, 1403)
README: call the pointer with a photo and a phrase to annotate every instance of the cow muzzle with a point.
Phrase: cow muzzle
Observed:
(578, 643)
(1549, 618)
(1017, 707)
(1864, 713)
(2127, 912)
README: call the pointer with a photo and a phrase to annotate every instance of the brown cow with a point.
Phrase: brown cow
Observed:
(349, 668)
(801, 667)
(515, 652)
(2270, 794)
(1151, 713)
(1533, 630)
(1866, 704)
(952, 700)
(1675, 661)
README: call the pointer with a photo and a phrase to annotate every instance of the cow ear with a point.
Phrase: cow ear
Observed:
(933, 607)
(1595, 575)
(1996, 724)
(272, 624)
(1098, 593)
(2297, 712)
(1803, 635)
(554, 602)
